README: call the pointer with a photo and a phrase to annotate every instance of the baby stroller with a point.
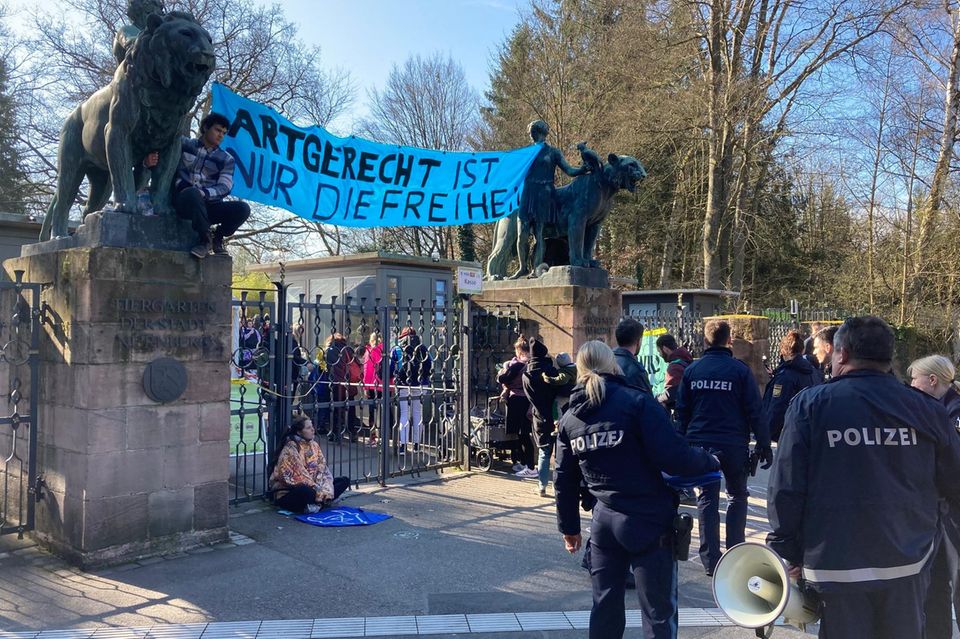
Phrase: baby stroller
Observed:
(488, 433)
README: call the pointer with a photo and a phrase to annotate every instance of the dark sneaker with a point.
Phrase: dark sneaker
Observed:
(218, 248)
(201, 250)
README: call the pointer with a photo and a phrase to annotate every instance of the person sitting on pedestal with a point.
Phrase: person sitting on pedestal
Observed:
(204, 178)
(300, 479)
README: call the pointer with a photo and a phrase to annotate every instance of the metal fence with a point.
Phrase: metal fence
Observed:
(383, 385)
(687, 328)
(253, 402)
(20, 381)
(493, 333)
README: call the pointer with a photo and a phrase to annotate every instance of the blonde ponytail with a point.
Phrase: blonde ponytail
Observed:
(593, 359)
(937, 365)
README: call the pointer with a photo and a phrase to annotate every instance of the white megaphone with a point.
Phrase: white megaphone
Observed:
(752, 587)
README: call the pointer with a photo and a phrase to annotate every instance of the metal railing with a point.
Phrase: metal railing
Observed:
(20, 481)
(383, 385)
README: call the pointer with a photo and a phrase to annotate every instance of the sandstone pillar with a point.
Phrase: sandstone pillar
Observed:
(135, 461)
(566, 307)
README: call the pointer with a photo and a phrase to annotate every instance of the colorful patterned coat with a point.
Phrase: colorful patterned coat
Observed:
(302, 462)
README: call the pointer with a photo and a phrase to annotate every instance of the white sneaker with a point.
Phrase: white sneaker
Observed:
(528, 473)
(312, 508)
(518, 467)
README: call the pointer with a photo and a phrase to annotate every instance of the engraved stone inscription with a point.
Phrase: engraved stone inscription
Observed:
(171, 325)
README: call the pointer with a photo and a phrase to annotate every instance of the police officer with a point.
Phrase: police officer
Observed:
(853, 499)
(792, 375)
(718, 406)
(618, 439)
(629, 335)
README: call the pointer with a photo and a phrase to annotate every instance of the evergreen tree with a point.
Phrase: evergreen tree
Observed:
(13, 180)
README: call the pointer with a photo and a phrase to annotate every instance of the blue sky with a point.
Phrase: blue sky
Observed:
(366, 37)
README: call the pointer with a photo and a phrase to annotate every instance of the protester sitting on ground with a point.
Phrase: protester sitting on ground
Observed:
(518, 406)
(629, 334)
(410, 367)
(300, 479)
(372, 383)
(793, 375)
(542, 398)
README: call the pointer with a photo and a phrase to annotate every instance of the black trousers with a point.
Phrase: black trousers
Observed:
(517, 422)
(191, 205)
(298, 497)
(733, 464)
(894, 612)
(654, 568)
(943, 595)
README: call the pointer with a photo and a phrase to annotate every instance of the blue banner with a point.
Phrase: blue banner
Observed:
(355, 182)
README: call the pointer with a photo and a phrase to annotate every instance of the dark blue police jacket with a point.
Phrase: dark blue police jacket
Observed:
(718, 402)
(633, 371)
(862, 463)
(620, 448)
(791, 377)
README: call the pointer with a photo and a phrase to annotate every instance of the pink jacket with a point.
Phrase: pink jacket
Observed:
(371, 367)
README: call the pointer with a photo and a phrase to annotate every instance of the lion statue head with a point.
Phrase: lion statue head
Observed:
(624, 171)
(173, 52)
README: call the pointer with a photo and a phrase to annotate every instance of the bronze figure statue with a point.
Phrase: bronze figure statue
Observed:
(142, 111)
(536, 203)
(579, 211)
(565, 220)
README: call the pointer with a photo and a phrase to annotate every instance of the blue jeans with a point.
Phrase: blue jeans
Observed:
(733, 465)
(543, 462)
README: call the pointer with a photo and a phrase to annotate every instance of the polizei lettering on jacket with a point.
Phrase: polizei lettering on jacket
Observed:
(711, 384)
(872, 437)
(593, 441)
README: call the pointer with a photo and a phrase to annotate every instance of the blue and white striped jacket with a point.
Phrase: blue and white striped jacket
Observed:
(209, 170)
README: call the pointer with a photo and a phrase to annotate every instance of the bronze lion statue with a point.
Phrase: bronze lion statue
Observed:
(582, 206)
(143, 109)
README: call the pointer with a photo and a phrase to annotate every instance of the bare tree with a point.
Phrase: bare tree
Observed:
(428, 103)
(929, 212)
(758, 57)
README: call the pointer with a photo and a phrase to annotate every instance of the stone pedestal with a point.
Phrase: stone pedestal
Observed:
(127, 476)
(566, 307)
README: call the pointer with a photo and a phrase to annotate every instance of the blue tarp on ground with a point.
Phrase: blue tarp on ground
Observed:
(343, 516)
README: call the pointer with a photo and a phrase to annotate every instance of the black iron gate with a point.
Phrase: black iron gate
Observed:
(20, 381)
(253, 400)
(384, 384)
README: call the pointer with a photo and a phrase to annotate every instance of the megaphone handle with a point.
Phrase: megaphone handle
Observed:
(764, 633)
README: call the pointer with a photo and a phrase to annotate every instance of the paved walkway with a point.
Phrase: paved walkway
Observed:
(473, 555)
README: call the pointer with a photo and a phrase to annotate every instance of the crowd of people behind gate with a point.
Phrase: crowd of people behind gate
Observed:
(884, 529)
(333, 381)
